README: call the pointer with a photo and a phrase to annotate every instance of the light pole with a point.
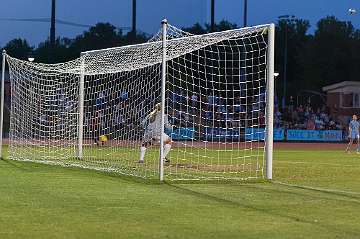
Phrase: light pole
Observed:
(245, 12)
(133, 29)
(212, 15)
(287, 19)
(52, 29)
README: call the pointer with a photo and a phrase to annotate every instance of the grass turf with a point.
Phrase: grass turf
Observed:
(315, 194)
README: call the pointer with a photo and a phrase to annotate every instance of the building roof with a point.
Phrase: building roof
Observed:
(343, 86)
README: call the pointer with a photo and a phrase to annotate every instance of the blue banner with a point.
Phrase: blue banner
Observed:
(183, 134)
(257, 134)
(222, 133)
(314, 135)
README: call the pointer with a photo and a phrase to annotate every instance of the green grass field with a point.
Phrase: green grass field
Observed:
(314, 194)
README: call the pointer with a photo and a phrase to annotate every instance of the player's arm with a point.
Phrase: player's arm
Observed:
(152, 116)
(145, 120)
(349, 130)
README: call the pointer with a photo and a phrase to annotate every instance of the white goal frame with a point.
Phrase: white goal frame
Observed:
(269, 100)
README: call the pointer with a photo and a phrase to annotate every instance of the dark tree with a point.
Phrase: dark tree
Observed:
(295, 32)
(61, 51)
(18, 48)
(332, 55)
(102, 35)
(198, 29)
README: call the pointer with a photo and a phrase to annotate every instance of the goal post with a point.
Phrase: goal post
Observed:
(163, 97)
(270, 101)
(2, 104)
(81, 107)
(100, 111)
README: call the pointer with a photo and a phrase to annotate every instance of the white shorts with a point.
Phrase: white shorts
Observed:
(149, 136)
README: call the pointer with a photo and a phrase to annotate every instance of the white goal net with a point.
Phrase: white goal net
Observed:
(103, 110)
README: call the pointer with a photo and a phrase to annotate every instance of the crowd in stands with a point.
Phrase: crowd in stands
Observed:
(215, 111)
(304, 117)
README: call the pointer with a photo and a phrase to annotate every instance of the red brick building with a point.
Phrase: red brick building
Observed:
(343, 99)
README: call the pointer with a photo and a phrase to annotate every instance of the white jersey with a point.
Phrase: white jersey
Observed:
(153, 129)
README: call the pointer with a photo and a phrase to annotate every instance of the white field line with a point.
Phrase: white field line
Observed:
(317, 189)
(280, 151)
(312, 163)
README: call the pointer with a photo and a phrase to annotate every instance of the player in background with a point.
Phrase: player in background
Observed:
(353, 133)
(152, 125)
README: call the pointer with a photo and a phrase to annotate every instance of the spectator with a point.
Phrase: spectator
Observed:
(277, 118)
(124, 95)
(310, 125)
(212, 99)
(100, 101)
(291, 104)
(222, 109)
(174, 97)
(194, 100)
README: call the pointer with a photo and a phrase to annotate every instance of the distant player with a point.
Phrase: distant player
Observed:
(152, 125)
(103, 139)
(353, 133)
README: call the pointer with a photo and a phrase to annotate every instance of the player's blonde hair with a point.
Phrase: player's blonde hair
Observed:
(158, 107)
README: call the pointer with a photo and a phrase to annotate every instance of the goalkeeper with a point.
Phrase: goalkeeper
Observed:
(353, 133)
(152, 125)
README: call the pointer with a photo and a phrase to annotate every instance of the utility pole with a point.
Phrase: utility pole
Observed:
(287, 19)
(52, 29)
(133, 30)
(245, 12)
(212, 15)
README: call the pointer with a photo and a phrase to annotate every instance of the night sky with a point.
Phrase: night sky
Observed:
(150, 12)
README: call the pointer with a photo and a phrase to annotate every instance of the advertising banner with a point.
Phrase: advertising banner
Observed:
(257, 134)
(314, 135)
(183, 134)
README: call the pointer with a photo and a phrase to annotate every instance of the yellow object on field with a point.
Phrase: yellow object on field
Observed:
(103, 138)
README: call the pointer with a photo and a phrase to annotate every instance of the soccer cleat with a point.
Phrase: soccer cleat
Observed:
(167, 160)
(141, 161)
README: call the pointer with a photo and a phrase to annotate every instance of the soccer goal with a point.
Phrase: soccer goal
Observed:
(179, 107)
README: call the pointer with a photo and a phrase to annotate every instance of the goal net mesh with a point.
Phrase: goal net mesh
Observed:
(215, 100)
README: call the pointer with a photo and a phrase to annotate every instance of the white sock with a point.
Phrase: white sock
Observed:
(167, 148)
(142, 153)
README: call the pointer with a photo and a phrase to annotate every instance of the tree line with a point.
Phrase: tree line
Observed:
(328, 55)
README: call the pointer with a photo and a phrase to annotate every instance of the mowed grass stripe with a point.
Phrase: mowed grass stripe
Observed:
(42, 201)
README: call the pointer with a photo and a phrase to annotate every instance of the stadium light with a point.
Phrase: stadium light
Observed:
(352, 11)
(31, 57)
